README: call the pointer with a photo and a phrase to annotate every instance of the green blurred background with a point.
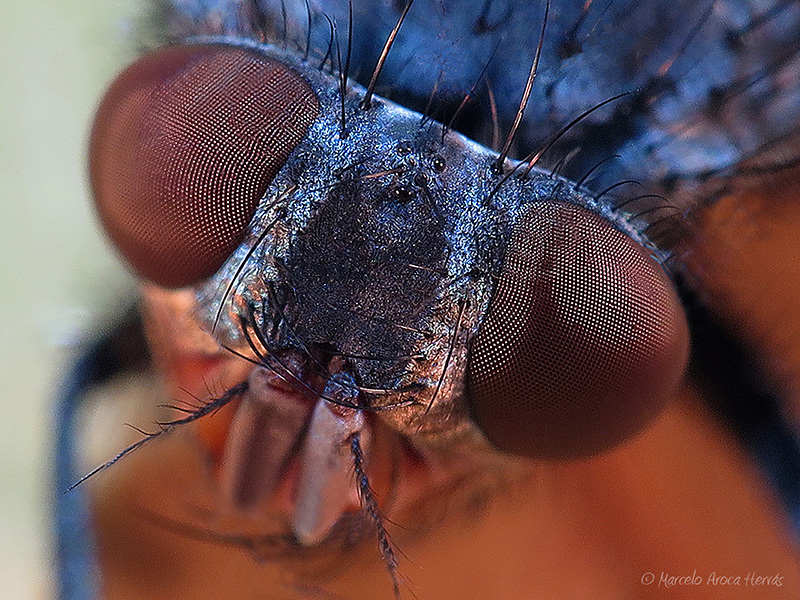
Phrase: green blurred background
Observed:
(58, 276)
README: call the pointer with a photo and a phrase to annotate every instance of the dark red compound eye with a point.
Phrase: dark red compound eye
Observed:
(184, 145)
(584, 340)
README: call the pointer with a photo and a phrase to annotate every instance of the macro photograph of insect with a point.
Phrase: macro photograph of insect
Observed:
(431, 299)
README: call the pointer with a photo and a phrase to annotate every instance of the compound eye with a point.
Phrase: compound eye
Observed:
(584, 340)
(184, 145)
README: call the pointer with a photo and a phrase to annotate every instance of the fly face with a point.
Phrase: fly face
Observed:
(394, 280)
(401, 313)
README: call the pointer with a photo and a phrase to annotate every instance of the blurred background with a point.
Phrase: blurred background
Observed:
(58, 276)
